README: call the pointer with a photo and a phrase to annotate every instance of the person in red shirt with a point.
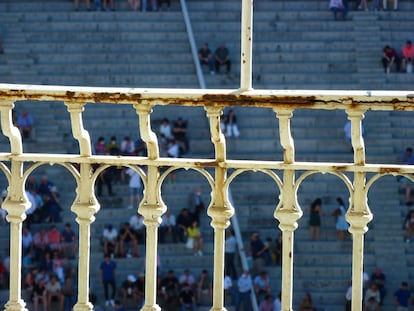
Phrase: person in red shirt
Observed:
(407, 55)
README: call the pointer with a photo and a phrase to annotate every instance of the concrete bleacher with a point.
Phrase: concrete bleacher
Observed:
(296, 45)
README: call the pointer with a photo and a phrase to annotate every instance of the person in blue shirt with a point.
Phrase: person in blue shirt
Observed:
(108, 278)
(401, 297)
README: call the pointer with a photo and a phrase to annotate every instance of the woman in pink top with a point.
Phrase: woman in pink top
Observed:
(407, 55)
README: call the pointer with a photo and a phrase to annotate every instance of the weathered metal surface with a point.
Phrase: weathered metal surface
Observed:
(288, 211)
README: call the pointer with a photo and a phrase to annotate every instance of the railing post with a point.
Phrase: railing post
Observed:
(151, 207)
(16, 204)
(288, 211)
(219, 211)
(85, 207)
(358, 214)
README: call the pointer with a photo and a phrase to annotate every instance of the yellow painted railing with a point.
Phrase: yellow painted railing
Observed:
(17, 166)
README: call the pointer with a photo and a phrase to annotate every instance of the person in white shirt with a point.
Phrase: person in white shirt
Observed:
(134, 188)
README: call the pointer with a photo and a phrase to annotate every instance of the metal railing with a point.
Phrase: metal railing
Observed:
(283, 103)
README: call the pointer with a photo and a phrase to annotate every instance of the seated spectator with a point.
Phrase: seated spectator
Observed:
(267, 304)
(168, 227)
(140, 148)
(54, 292)
(129, 291)
(141, 289)
(69, 294)
(127, 146)
(180, 133)
(25, 123)
(40, 244)
(407, 157)
(222, 58)
(206, 57)
(306, 303)
(194, 234)
(372, 292)
(173, 149)
(27, 241)
(259, 251)
(204, 288)
(58, 266)
(184, 220)
(160, 2)
(111, 5)
(261, 285)
(409, 225)
(27, 264)
(40, 295)
(385, 2)
(338, 5)
(118, 306)
(54, 238)
(110, 240)
(113, 147)
(3, 212)
(127, 241)
(136, 222)
(134, 5)
(187, 298)
(68, 241)
(231, 124)
(389, 59)
(371, 305)
(407, 60)
(186, 279)
(165, 129)
(46, 264)
(100, 147)
(88, 5)
(169, 287)
(379, 279)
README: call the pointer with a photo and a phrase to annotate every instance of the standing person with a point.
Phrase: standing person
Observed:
(341, 223)
(134, 188)
(379, 279)
(231, 124)
(193, 232)
(206, 57)
(230, 254)
(222, 58)
(245, 285)
(108, 278)
(25, 123)
(315, 212)
(196, 204)
(402, 297)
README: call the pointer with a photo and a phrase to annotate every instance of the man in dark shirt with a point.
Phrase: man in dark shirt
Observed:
(389, 58)
(206, 57)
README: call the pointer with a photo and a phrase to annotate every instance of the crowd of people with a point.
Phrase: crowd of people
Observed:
(398, 62)
(343, 6)
(47, 273)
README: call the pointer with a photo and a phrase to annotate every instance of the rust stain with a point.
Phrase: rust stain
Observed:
(389, 170)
